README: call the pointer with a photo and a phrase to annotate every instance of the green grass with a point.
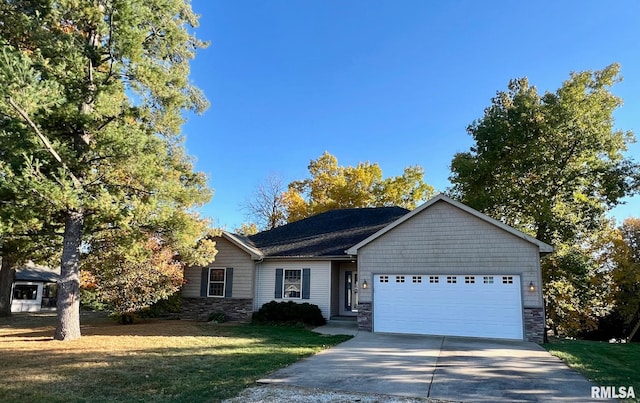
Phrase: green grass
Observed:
(604, 364)
(154, 361)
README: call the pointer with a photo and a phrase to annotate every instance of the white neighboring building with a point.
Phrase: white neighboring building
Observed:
(34, 289)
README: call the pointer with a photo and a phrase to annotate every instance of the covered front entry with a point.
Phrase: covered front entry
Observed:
(348, 290)
(455, 305)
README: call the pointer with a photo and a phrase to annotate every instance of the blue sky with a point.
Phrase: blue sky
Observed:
(392, 82)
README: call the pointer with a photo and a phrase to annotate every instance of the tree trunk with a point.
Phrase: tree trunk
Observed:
(7, 275)
(68, 327)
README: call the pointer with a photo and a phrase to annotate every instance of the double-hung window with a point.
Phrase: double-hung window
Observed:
(216, 282)
(292, 284)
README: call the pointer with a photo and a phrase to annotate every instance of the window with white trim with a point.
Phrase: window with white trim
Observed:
(417, 279)
(507, 279)
(399, 279)
(384, 279)
(434, 279)
(469, 279)
(292, 284)
(216, 282)
(452, 279)
(25, 291)
(487, 279)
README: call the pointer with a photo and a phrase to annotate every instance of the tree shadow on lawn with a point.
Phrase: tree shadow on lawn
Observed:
(162, 374)
(212, 365)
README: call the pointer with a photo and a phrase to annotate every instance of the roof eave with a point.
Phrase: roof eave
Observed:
(328, 257)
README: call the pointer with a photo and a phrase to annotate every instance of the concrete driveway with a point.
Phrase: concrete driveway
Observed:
(436, 367)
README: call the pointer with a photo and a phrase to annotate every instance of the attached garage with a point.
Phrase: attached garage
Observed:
(447, 269)
(456, 305)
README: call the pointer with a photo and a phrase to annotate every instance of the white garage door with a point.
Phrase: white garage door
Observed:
(455, 305)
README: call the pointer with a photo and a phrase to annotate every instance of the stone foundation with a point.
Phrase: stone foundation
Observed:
(235, 309)
(534, 324)
(364, 316)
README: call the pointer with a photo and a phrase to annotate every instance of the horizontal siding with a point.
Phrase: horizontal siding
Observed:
(443, 239)
(320, 293)
(228, 255)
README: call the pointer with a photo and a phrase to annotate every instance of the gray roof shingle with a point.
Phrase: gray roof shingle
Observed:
(38, 273)
(325, 234)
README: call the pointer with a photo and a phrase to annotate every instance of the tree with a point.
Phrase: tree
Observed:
(92, 95)
(333, 187)
(266, 206)
(247, 229)
(625, 253)
(550, 165)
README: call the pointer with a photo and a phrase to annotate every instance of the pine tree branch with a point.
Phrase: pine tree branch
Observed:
(47, 144)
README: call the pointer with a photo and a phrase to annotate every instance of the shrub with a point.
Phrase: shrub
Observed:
(169, 307)
(217, 317)
(289, 313)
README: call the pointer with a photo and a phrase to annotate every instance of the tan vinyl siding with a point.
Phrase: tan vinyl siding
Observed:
(444, 239)
(228, 255)
(320, 292)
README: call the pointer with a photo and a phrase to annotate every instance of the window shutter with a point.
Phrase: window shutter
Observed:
(278, 293)
(228, 282)
(204, 281)
(306, 283)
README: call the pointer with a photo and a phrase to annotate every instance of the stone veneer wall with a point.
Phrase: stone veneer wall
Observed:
(236, 309)
(364, 316)
(534, 324)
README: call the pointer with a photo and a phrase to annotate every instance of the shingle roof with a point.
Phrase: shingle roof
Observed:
(325, 234)
(37, 273)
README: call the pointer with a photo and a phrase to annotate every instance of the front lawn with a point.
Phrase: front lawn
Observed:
(604, 364)
(152, 361)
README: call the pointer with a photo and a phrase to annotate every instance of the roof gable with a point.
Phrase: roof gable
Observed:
(244, 244)
(543, 247)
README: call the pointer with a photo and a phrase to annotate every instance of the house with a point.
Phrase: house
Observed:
(34, 289)
(443, 268)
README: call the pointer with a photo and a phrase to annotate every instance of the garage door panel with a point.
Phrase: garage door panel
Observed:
(464, 309)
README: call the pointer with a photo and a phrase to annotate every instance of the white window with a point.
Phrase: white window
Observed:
(507, 279)
(292, 285)
(25, 291)
(452, 279)
(384, 279)
(469, 279)
(417, 279)
(399, 279)
(487, 279)
(216, 282)
(434, 279)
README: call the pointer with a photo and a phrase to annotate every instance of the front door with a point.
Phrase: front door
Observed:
(349, 292)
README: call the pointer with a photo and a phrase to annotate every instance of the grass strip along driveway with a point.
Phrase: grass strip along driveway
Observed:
(151, 361)
(604, 364)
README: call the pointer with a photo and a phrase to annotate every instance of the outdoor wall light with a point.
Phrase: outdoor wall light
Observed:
(532, 286)
(364, 284)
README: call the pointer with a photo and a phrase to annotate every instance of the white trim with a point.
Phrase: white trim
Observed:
(543, 247)
(284, 271)
(224, 282)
